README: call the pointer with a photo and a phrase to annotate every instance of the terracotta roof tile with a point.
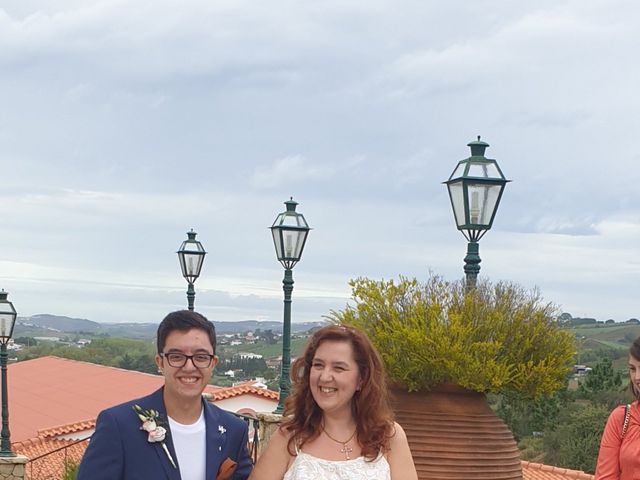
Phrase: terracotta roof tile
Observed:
(539, 471)
(72, 391)
(67, 429)
(47, 457)
(244, 388)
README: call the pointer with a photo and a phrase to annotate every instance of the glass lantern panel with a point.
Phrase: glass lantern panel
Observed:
(459, 170)
(290, 219)
(302, 238)
(456, 193)
(191, 247)
(278, 221)
(293, 243)
(484, 170)
(482, 203)
(6, 322)
(191, 264)
(277, 242)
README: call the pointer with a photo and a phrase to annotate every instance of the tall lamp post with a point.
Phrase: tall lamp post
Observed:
(7, 321)
(191, 255)
(475, 189)
(289, 231)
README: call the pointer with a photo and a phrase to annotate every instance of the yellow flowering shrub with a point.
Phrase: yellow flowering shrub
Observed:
(496, 338)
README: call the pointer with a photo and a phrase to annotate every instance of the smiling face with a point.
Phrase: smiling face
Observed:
(334, 376)
(185, 384)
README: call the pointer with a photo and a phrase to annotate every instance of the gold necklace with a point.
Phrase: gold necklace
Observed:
(345, 449)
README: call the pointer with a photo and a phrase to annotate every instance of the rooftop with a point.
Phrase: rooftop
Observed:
(539, 471)
(75, 392)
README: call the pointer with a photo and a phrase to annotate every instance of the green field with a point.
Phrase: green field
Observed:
(611, 341)
(616, 335)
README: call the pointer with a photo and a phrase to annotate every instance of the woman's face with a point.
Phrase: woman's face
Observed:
(634, 373)
(334, 376)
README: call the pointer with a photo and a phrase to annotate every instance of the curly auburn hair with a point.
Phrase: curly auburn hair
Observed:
(370, 405)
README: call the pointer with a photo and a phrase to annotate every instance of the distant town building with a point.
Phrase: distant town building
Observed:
(47, 339)
(249, 355)
(11, 345)
(581, 370)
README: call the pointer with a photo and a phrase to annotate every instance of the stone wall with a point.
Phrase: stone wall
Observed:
(268, 424)
(12, 468)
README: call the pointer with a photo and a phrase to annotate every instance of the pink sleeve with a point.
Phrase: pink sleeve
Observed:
(608, 466)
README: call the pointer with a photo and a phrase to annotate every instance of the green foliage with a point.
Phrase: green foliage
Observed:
(70, 470)
(531, 448)
(594, 355)
(114, 352)
(496, 338)
(28, 341)
(251, 367)
(526, 417)
(601, 378)
(575, 442)
(604, 385)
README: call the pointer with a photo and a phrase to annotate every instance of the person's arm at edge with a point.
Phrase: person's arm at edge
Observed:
(399, 456)
(608, 465)
(103, 458)
(274, 461)
(244, 460)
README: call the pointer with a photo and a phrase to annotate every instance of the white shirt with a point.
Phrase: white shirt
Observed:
(189, 442)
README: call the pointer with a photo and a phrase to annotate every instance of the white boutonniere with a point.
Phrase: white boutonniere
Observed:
(149, 419)
(222, 430)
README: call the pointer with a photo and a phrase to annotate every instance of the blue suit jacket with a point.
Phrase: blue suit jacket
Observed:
(119, 450)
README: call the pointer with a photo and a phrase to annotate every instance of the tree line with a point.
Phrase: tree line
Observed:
(564, 429)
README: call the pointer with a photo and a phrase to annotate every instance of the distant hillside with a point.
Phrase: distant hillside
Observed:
(251, 325)
(57, 323)
(616, 336)
(50, 325)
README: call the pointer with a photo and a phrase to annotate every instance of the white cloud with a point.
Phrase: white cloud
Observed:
(288, 171)
(127, 123)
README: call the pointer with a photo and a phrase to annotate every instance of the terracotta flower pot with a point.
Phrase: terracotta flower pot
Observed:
(453, 434)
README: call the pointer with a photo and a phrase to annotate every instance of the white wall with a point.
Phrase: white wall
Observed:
(257, 404)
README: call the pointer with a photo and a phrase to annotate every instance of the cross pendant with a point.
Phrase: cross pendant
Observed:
(346, 450)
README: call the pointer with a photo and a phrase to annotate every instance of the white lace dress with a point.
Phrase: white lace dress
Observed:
(308, 467)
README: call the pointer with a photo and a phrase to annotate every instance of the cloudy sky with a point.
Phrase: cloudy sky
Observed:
(125, 123)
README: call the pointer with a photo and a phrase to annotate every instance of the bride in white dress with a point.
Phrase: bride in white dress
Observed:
(338, 424)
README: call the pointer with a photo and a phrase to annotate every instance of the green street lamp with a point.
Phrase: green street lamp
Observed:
(289, 231)
(7, 322)
(191, 255)
(475, 189)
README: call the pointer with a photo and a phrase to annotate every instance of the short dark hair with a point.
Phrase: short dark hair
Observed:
(183, 321)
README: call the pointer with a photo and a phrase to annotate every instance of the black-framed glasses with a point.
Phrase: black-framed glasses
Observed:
(179, 360)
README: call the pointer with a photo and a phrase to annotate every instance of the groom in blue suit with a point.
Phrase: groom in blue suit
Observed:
(172, 434)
